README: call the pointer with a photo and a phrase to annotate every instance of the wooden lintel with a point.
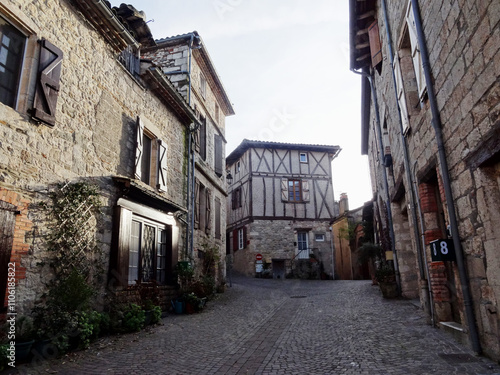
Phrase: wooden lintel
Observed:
(371, 13)
(362, 45)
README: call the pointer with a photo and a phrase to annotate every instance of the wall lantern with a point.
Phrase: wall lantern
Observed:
(229, 178)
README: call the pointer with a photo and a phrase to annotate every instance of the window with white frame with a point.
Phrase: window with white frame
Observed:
(303, 157)
(241, 239)
(319, 237)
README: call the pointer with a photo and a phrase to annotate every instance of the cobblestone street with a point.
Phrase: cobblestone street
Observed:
(282, 327)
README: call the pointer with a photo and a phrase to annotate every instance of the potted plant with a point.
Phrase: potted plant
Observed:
(386, 279)
(192, 301)
(25, 337)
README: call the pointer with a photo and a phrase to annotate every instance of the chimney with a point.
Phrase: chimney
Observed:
(343, 204)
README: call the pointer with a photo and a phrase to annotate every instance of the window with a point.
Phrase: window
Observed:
(401, 94)
(144, 247)
(238, 167)
(375, 47)
(11, 62)
(303, 157)
(203, 86)
(150, 158)
(200, 143)
(203, 207)
(418, 65)
(241, 239)
(294, 190)
(236, 198)
(219, 155)
(217, 218)
(319, 237)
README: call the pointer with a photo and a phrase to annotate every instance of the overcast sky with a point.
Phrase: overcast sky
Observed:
(285, 67)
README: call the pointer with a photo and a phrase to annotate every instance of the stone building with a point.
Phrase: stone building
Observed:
(79, 105)
(280, 205)
(430, 127)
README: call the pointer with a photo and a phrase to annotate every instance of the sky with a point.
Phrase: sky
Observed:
(285, 67)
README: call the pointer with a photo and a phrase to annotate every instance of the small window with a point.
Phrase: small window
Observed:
(319, 237)
(241, 239)
(303, 157)
(236, 198)
(238, 167)
(203, 86)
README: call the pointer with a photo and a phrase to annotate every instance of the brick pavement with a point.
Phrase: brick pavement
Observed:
(282, 327)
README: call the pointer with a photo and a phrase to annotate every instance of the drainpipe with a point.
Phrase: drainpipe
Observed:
(436, 123)
(422, 239)
(413, 194)
(384, 173)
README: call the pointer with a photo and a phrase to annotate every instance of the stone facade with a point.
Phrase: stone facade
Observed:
(280, 206)
(103, 105)
(462, 40)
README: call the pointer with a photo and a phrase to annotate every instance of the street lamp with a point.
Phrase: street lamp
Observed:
(229, 178)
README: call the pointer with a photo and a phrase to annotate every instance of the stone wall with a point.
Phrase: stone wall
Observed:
(94, 135)
(463, 42)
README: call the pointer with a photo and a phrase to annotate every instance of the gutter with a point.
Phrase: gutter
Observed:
(384, 173)
(445, 175)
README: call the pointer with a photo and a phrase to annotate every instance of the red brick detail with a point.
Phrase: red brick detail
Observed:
(439, 281)
(427, 195)
(22, 226)
(432, 234)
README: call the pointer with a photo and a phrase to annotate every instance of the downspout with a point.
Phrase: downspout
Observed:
(422, 239)
(406, 160)
(384, 173)
(436, 123)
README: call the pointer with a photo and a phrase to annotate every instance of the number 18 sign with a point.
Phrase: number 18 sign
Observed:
(442, 250)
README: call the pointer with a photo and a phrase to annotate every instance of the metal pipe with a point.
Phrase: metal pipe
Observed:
(384, 173)
(422, 238)
(445, 175)
(407, 168)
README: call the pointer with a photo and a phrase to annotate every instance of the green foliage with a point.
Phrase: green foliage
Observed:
(385, 274)
(89, 327)
(156, 314)
(369, 251)
(134, 318)
(72, 292)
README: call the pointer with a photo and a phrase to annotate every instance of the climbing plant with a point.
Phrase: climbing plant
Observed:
(73, 211)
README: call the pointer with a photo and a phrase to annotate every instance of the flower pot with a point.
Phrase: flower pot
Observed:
(45, 348)
(23, 350)
(189, 308)
(178, 306)
(389, 290)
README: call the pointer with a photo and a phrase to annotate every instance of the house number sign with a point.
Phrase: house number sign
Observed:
(442, 250)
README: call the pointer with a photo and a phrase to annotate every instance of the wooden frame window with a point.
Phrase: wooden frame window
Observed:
(294, 191)
(241, 239)
(150, 158)
(236, 198)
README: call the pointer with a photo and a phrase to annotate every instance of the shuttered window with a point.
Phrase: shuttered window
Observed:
(401, 94)
(236, 198)
(218, 162)
(375, 46)
(415, 52)
(151, 158)
(294, 190)
(217, 218)
(47, 89)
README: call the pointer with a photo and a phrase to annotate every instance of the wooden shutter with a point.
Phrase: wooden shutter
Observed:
(235, 240)
(47, 89)
(306, 196)
(418, 65)
(401, 94)
(162, 166)
(233, 199)
(284, 190)
(217, 218)
(203, 138)
(138, 147)
(208, 217)
(375, 46)
(218, 163)
(196, 204)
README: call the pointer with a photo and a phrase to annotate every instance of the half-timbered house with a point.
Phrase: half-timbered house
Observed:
(280, 205)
